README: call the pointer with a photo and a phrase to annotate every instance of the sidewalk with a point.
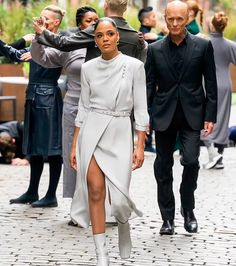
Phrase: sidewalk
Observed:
(41, 237)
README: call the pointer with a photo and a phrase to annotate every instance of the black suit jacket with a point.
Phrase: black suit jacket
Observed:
(129, 43)
(165, 88)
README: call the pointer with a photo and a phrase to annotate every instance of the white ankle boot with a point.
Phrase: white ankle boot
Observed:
(214, 157)
(125, 244)
(101, 250)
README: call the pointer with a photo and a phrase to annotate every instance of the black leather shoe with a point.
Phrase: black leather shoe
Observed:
(24, 199)
(168, 227)
(190, 221)
(45, 203)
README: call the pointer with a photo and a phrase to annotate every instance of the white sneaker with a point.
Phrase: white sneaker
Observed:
(211, 164)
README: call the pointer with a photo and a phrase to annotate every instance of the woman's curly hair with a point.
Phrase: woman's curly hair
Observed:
(219, 21)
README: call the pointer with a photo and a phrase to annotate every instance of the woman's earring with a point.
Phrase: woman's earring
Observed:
(96, 45)
(118, 42)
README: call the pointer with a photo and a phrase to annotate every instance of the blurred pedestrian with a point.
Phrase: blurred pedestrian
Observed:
(71, 62)
(176, 66)
(42, 122)
(225, 54)
(194, 10)
(148, 20)
(112, 86)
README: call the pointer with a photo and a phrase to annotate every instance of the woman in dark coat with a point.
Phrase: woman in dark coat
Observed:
(43, 112)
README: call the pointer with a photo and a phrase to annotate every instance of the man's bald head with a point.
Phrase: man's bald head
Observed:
(176, 16)
(177, 5)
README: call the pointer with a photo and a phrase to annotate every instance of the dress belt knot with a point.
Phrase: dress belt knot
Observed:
(111, 113)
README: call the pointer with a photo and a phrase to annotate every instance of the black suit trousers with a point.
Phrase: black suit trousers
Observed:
(165, 146)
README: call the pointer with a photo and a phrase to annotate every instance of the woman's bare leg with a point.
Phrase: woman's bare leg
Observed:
(96, 196)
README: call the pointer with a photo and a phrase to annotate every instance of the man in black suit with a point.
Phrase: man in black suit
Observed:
(178, 103)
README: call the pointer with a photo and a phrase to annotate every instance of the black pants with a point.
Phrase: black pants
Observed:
(165, 146)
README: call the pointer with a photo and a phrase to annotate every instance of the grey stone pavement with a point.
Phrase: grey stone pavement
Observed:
(42, 237)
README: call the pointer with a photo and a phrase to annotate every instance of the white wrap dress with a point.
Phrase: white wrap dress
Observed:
(111, 89)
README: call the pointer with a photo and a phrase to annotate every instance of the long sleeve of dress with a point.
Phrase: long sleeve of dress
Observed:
(232, 50)
(81, 39)
(46, 56)
(12, 53)
(140, 99)
(84, 99)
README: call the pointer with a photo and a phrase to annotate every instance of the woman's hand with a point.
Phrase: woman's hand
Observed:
(138, 158)
(39, 24)
(138, 155)
(73, 162)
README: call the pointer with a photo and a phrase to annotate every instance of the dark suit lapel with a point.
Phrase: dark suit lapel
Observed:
(188, 55)
(166, 52)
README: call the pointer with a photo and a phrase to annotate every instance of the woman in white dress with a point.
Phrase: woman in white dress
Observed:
(102, 150)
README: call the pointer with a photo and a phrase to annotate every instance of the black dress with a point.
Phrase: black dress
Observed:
(43, 107)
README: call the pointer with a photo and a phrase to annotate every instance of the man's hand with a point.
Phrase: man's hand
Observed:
(26, 56)
(150, 36)
(39, 24)
(208, 128)
(29, 37)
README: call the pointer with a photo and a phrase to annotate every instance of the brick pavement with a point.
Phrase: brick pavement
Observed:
(42, 237)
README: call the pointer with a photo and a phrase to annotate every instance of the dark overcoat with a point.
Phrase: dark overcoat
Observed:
(43, 107)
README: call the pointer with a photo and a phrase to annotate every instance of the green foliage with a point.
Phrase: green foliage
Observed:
(229, 7)
(16, 20)
(230, 30)
(132, 17)
(12, 22)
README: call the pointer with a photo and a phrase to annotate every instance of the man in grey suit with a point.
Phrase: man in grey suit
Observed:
(129, 44)
(178, 103)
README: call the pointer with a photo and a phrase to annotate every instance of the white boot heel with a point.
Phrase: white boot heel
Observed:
(125, 244)
(102, 261)
(101, 250)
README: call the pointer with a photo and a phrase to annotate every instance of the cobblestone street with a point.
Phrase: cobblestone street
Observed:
(42, 237)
